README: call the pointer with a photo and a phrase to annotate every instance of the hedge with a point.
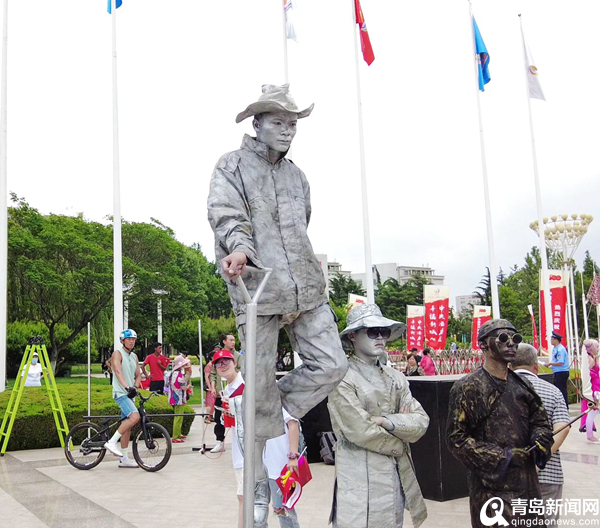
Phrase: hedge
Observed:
(34, 426)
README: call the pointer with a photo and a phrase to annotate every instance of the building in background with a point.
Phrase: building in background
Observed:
(391, 270)
(465, 303)
(330, 269)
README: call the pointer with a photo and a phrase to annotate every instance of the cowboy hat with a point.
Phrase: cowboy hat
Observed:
(274, 99)
(369, 316)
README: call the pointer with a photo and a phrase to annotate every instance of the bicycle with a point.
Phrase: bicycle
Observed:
(151, 443)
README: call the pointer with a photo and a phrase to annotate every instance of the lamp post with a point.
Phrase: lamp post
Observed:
(563, 233)
(159, 325)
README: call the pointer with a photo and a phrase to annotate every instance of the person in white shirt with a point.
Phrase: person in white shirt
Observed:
(280, 452)
(35, 374)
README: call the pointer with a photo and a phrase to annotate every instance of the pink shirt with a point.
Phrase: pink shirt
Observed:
(427, 365)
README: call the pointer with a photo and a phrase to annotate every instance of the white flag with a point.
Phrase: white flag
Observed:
(533, 80)
(289, 20)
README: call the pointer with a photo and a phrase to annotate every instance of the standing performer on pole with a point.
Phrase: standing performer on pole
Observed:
(117, 245)
(534, 90)
(3, 204)
(259, 209)
(482, 76)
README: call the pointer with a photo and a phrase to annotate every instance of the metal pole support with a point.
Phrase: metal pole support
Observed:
(250, 392)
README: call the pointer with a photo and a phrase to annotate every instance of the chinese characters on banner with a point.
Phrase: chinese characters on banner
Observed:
(558, 303)
(481, 315)
(415, 327)
(437, 300)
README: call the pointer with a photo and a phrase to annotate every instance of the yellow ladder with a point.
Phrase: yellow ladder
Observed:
(36, 344)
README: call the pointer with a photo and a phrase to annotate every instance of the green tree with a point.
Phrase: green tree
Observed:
(59, 271)
(340, 286)
(393, 297)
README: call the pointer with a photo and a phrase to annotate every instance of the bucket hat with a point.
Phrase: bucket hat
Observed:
(369, 316)
(274, 99)
(179, 362)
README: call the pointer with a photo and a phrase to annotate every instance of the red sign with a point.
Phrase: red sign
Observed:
(481, 315)
(558, 305)
(415, 327)
(437, 307)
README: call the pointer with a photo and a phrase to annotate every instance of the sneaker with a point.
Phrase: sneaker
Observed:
(113, 448)
(219, 448)
(127, 463)
(593, 441)
(178, 440)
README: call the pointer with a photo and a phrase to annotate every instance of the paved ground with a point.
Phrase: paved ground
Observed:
(39, 489)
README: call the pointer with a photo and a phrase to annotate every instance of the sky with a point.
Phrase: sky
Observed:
(186, 68)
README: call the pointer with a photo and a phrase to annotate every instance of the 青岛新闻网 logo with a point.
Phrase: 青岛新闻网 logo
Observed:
(497, 506)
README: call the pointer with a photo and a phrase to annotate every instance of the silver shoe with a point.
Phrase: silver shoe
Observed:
(262, 497)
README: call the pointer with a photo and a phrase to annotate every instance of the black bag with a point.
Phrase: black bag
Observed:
(327, 441)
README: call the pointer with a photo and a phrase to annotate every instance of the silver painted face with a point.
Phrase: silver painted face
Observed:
(276, 130)
(366, 348)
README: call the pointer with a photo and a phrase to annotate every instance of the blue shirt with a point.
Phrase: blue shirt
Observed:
(560, 355)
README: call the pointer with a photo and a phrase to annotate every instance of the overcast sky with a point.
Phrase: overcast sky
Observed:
(187, 67)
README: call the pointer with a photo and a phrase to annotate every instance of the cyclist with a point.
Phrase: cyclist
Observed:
(126, 377)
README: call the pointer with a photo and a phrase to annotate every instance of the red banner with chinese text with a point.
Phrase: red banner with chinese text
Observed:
(481, 315)
(558, 304)
(437, 304)
(415, 327)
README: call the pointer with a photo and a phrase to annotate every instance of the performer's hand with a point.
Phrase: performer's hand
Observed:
(519, 456)
(234, 264)
(377, 419)
(405, 409)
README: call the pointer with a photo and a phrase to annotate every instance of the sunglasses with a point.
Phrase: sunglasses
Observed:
(503, 337)
(223, 363)
(374, 333)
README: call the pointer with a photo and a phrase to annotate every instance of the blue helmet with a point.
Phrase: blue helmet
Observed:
(128, 333)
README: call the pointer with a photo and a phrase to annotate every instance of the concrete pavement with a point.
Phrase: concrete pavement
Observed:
(39, 489)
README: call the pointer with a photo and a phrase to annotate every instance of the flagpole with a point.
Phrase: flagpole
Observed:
(538, 200)
(486, 190)
(286, 79)
(117, 247)
(3, 202)
(363, 171)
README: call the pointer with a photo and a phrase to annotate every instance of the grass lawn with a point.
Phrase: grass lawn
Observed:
(83, 368)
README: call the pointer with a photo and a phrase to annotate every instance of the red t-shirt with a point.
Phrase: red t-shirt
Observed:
(155, 371)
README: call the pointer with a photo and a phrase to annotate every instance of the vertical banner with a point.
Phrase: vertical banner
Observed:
(558, 304)
(481, 315)
(437, 303)
(598, 318)
(536, 341)
(415, 323)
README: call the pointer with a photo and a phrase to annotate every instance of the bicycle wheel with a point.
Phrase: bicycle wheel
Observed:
(152, 453)
(78, 453)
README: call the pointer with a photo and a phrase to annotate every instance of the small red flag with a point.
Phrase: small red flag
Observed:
(365, 41)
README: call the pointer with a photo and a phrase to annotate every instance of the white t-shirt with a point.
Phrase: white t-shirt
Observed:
(34, 376)
(236, 452)
(275, 455)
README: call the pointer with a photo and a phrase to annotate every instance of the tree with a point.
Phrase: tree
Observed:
(59, 269)
(340, 286)
(393, 297)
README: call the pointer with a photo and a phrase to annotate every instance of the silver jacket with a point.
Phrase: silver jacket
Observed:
(263, 209)
(368, 457)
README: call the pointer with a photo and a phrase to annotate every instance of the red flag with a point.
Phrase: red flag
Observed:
(365, 41)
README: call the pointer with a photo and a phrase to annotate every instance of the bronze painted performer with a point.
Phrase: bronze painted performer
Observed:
(494, 417)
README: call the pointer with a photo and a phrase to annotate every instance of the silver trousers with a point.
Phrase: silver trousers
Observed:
(314, 335)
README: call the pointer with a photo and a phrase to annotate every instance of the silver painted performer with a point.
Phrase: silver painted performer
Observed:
(374, 417)
(259, 209)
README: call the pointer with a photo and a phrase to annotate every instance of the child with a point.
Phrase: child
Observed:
(178, 387)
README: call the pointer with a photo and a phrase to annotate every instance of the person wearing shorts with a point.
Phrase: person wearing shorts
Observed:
(126, 377)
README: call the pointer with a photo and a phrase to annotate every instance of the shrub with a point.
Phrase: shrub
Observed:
(34, 426)
(193, 359)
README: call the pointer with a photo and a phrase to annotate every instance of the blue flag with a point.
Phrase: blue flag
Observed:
(118, 2)
(483, 58)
